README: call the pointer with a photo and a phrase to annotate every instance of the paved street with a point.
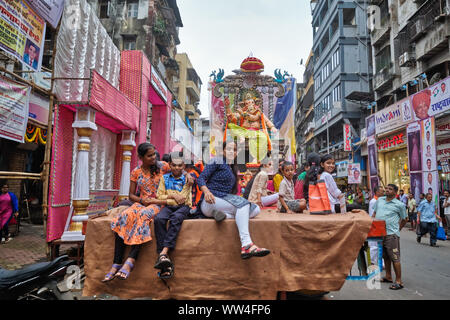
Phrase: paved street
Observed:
(27, 247)
(425, 274)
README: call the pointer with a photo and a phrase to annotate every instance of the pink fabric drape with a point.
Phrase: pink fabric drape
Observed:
(60, 173)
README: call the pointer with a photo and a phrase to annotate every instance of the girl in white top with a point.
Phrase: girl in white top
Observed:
(327, 167)
(323, 172)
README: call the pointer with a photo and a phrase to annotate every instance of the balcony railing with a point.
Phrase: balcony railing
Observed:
(430, 14)
(193, 88)
(382, 33)
(383, 77)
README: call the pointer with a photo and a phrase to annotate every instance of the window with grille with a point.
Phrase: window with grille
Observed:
(129, 42)
(132, 10)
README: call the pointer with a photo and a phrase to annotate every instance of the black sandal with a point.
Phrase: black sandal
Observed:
(385, 280)
(396, 286)
(163, 261)
(166, 273)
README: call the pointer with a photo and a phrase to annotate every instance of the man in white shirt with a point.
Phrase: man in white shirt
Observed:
(373, 245)
(447, 208)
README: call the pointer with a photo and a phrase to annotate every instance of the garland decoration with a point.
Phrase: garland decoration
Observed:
(34, 135)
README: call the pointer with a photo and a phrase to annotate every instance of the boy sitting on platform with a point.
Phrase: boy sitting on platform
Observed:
(178, 196)
(286, 201)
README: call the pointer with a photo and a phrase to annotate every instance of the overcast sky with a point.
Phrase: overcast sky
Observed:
(221, 33)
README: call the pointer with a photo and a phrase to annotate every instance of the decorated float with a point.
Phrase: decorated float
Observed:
(308, 252)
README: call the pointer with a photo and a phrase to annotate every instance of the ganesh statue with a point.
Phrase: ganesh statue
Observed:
(247, 121)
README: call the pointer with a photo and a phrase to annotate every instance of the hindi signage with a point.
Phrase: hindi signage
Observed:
(431, 101)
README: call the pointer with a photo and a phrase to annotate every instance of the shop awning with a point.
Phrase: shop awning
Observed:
(117, 112)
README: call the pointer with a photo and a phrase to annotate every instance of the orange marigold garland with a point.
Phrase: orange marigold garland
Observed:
(34, 135)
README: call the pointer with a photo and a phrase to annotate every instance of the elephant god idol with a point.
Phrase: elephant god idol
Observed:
(248, 121)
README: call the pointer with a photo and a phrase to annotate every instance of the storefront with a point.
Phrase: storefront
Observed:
(393, 160)
(443, 151)
(387, 146)
(409, 142)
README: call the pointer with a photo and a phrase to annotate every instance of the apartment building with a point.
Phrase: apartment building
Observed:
(410, 47)
(187, 88)
(148, 25)
(342, 71)
(304, 114)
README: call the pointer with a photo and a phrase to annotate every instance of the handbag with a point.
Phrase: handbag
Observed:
(318, 198)
(440, 234)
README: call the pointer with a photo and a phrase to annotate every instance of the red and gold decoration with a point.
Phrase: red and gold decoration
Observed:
(252, 64)
(35, 135)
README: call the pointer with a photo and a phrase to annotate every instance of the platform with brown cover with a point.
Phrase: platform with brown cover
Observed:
(308, 252)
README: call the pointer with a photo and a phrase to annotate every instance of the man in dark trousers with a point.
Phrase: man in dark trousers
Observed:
(427, 217)
(393, 211)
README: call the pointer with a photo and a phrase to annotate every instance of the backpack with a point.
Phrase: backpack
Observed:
(318, 198)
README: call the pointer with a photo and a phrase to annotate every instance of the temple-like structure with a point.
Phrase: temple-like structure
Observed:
(255, 109)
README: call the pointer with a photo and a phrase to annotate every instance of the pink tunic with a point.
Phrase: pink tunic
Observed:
(6, 209)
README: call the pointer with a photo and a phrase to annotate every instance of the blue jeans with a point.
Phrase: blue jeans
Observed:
(426, 227)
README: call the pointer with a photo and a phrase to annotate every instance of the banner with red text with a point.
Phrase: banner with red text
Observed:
(347, 138)
(14, 105)
(22, 32)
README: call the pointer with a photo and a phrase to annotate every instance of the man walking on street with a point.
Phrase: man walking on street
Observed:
(447, 208)
(412, 215)
(393, 212)
(427, 218)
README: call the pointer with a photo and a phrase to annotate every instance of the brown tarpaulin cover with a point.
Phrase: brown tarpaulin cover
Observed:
(308, 252)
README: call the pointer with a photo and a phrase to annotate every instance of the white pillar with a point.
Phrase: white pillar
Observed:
(85, 125)
(128, 145)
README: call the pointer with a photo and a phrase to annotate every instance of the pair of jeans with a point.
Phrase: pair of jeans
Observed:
(242, 215)
(428, 227)
(167, 236)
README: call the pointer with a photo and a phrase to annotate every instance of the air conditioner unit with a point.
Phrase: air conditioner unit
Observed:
(401, 60)
(407, 59)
